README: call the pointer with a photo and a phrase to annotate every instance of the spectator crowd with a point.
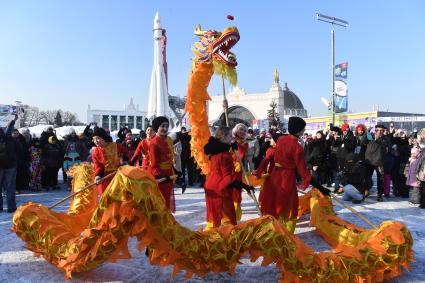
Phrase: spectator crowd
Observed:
(344, 158)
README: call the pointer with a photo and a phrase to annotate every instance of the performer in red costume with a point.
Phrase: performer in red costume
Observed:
(265, 169)
(161, 156)
(281, 198)
(106, 158)
(143, 149)
(221, 180)
(239, 136)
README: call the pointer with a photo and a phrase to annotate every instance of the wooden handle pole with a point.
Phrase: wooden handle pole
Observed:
(354, 211)
(80, 191)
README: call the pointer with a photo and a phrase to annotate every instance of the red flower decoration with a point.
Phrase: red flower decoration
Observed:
(230, 17)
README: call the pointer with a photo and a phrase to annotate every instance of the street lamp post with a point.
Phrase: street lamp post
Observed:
(333, 21)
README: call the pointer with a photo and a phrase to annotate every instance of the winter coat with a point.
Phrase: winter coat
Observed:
(348, 143)
(375, 152)
(355, 174)
(420, 167)
(316, 153)
(253, 147)
(185, 141)
(9, 148)
(78, 144)
(218, 187)
(53, 155)
(361, 145)
(412, 180)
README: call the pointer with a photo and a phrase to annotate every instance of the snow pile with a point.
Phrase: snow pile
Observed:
(61, 132)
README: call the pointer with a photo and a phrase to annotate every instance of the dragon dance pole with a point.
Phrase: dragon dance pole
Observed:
(354, 211)
(226, 106)
(82, 190)
(349, 208)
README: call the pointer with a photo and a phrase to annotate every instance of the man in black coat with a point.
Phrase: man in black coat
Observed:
(8, 162)
(374, 158)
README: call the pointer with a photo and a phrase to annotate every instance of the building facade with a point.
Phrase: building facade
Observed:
(407, 121)
(116, 119)
(246, 108)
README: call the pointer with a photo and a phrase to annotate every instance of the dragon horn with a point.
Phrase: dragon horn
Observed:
(198, 31)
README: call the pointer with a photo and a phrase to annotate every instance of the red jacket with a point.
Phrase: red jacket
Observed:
(142, 149)
(161, 156)
(267, 164)
(282, 197)
(107, 160)
(217, 185)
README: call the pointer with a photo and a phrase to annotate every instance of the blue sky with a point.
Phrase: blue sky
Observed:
(68, 54)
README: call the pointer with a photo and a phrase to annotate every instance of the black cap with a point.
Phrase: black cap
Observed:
(158, 121)
(100, 132)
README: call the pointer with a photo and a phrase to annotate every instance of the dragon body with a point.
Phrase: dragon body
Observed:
(132, 206)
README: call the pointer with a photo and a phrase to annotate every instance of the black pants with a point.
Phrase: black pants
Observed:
(187, 165)
(422, 190)
(52, 176)
(399, 185)
(379, 177)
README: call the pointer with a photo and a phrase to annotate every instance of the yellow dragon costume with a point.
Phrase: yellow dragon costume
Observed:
(92, 232)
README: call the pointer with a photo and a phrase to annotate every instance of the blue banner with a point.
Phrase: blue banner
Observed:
(341, 71)
(341, 104)
(341, 89)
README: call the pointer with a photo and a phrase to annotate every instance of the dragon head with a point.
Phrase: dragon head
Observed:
(214, 47)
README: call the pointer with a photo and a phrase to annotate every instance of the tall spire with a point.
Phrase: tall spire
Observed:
(158, 104)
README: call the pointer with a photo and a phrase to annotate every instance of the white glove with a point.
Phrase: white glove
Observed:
(98, 180)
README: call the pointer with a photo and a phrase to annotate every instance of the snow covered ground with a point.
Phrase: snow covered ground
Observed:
(19, 265)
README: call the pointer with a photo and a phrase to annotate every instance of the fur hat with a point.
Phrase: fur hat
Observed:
(337, 129)
(100, 132)
(295, 125)
(345, 127)
(158, 121)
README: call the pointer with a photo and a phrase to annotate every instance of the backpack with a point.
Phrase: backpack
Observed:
(375, 153)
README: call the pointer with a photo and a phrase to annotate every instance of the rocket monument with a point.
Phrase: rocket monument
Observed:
(158, 104)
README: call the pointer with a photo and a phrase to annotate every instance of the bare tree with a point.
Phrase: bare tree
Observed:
(31, 116)
(48, 116)
(69, 119)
